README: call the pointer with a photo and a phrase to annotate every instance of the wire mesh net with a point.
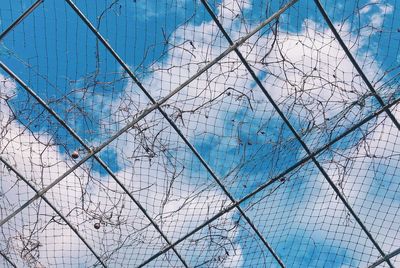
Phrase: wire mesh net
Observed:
(194, 133)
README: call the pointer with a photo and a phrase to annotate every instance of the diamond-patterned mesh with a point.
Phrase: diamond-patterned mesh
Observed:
(195, 133)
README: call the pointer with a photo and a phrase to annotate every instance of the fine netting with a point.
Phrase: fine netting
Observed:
(195, 133)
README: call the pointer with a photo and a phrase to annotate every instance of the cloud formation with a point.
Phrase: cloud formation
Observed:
(236, 130)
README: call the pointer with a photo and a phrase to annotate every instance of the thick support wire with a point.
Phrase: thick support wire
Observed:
(364, 78)
(97, 158)
(354, 62)
(8, 259)
(308, 158)
(10, 167)
(78, 138)
(20, 176)
(21, 18)
(140, 116)
(298, 137)
(276, 178)
(172, 123)
(387, 257)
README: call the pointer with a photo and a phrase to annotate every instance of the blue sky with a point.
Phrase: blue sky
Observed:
(61, 54)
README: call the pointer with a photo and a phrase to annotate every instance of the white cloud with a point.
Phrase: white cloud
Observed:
(88, 198)
(371, 184)
(315, 74)
(180, 203)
